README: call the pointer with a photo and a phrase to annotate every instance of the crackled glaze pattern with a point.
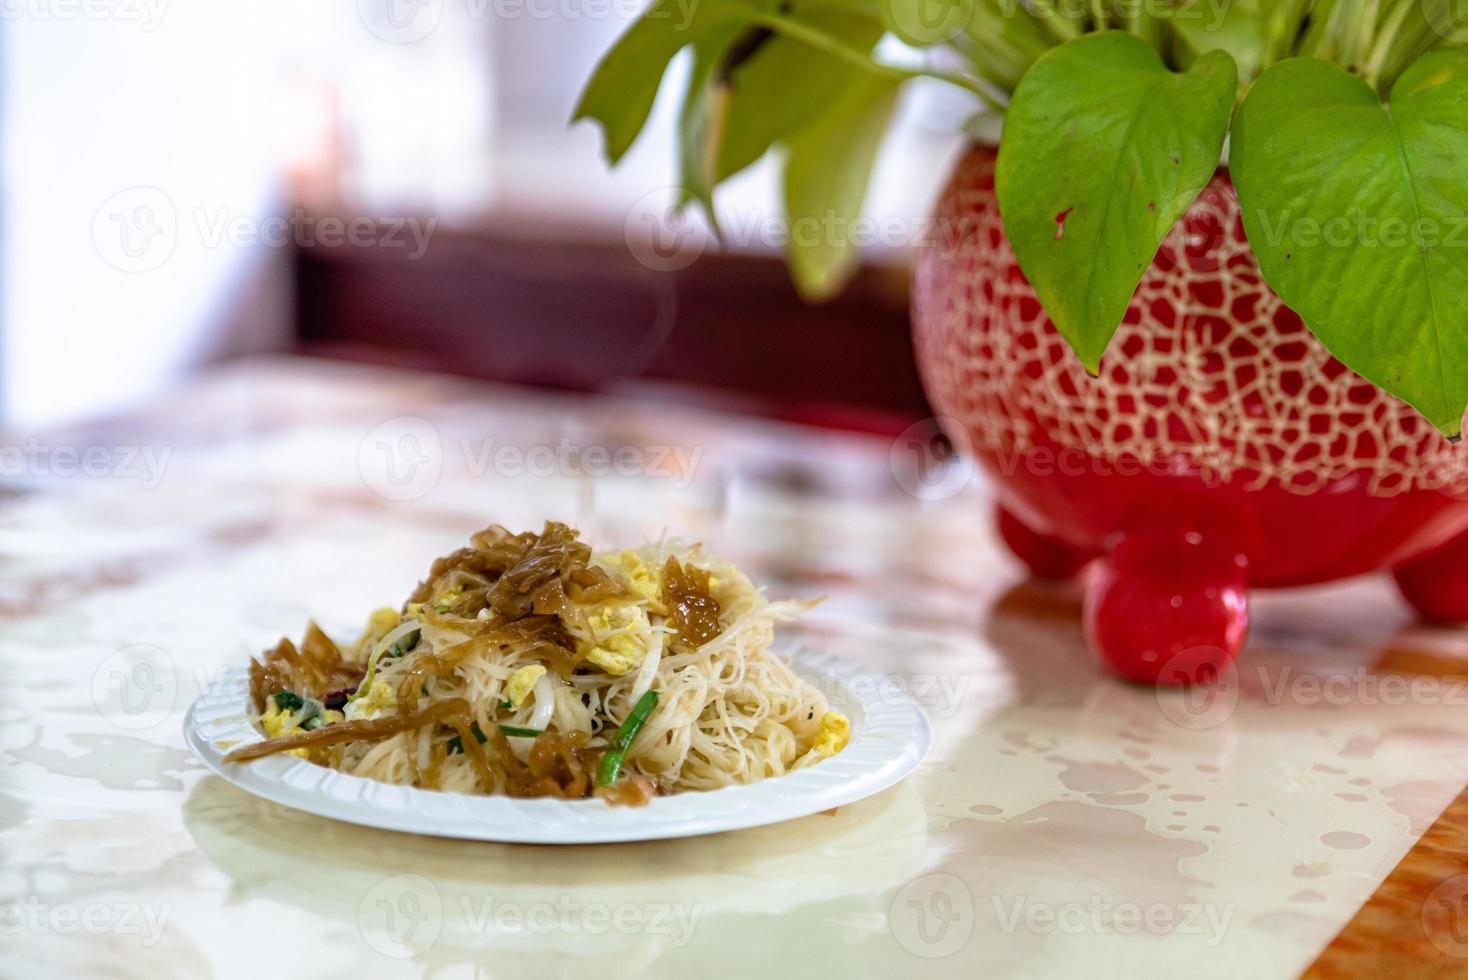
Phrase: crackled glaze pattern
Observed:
(1057, 804)
(1208, 363)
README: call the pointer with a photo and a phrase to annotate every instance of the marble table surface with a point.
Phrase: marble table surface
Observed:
(1064, 824)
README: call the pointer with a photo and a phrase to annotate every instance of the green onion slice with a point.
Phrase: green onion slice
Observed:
(456, 744)
(611, 762)
(287, 700)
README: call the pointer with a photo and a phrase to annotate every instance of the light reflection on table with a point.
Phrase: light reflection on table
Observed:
(1064, 823)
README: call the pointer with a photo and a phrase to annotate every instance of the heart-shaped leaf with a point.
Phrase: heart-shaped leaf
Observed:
(620, 93)
(1358, 212)
(703, 118)
(826, 175)
(788, 83)
(751, 87)
(1104, 149)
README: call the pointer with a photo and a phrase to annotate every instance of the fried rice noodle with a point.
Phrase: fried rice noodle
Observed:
(601, 631)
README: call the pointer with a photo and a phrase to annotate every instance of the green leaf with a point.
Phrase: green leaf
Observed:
(1358, 212)
(1420, 25)
(1103, 150)
(751, 87)
(786, 83)
(622, 89)
(1237, 27)
(826, 175)
(922, 23)
(1283, 22)
(702, 122)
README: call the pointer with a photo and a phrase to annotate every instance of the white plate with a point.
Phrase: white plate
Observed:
(889, 737)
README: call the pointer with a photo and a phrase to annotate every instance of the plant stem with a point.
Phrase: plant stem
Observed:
(821, 41)
(1144, 25)
(992, 61)
(1386, 41)
(1319, 40)
(1286, 22)
(1360, 32)
(1055, 24)
(974, 86)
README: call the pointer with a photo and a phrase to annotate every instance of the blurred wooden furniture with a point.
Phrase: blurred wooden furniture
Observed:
(579, 312)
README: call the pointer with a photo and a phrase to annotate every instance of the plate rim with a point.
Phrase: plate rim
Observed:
(890, 740)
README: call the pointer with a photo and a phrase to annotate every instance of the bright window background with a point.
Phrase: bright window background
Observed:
(151, 149)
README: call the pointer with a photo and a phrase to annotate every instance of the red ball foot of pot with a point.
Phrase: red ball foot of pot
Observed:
(1169, 609)
(1437, 584)
(1046, 557)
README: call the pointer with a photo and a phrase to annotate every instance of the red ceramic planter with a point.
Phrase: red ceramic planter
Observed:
(1221, 448)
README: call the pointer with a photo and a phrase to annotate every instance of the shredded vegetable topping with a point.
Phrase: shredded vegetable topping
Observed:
(526, 665)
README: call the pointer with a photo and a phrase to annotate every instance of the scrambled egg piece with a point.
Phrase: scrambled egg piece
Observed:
(442, 603)
(621, 651)
(277, 722)
(641, 580)
(518, 687)
(382, 621)
(379, 700)
(834, 734)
